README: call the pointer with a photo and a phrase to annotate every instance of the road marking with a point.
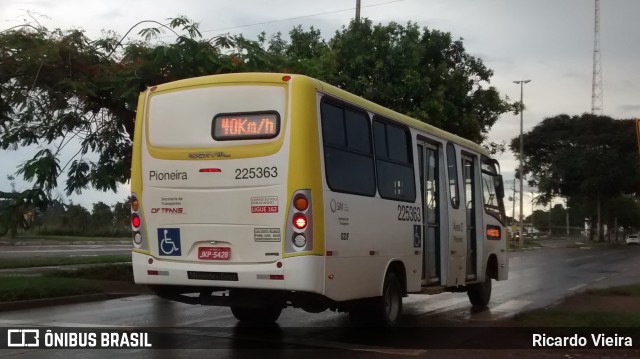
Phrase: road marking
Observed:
(579, 258)
(599, 279)
(579, 286)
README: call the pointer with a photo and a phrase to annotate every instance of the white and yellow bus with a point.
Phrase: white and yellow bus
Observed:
(262, 191)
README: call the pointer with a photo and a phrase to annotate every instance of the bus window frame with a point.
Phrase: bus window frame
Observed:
(345, 105)
(500, 208)
(454, 200)
(410, 163)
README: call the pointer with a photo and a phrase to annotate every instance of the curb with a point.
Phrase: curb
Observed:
(74, 299)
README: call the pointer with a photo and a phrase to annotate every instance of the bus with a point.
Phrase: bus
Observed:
(260, 191)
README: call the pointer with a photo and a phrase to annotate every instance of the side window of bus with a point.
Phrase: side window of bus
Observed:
(453, 176)
(394, 162)
(348, 156)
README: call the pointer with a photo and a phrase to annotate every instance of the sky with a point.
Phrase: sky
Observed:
(549, 42)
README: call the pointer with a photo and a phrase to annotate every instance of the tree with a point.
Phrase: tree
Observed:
(78, 218)
(588, 156)
(420, 72)
(101, 215)
(122, 212)
(59, 87)
(16, 206)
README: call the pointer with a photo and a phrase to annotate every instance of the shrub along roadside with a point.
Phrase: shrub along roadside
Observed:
(64, 283)
(60, 261)
(85, 238)
(114, 272)
(27, 288)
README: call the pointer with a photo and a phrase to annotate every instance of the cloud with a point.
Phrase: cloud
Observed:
(629, 108)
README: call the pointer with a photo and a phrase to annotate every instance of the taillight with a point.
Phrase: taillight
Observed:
(300, 221)
(136, 224)
(135, 221)
(299, 232)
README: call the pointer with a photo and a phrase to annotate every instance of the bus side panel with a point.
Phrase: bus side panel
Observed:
(362, 236)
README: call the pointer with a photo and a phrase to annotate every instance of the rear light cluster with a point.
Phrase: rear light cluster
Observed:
(136, 222)
(299, 230)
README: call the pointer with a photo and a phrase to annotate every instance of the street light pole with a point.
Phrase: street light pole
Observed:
(521, 83)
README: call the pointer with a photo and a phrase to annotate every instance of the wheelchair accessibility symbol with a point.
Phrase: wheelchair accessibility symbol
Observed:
(169, 241)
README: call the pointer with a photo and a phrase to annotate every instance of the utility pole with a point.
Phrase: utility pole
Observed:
(532, 200)
(357, 10)
(567, 210)
(521, 83)
(513, 217)
(550, 200)
(596, 83)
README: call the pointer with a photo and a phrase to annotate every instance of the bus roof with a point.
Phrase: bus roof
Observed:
(257, 77)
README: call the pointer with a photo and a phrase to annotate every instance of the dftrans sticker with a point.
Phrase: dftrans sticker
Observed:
(169, 241)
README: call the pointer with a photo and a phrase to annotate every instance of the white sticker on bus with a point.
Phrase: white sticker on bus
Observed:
(264, 204)
(266, 234)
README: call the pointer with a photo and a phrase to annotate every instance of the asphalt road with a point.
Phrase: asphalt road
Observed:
(537, 278)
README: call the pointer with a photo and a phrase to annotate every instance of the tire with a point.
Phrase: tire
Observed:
(265, 315)
(480, 293)
(384, 311)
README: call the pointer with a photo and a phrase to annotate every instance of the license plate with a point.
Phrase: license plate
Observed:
(214, 253)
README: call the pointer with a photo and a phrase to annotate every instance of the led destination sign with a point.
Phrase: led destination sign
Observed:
(244, 126)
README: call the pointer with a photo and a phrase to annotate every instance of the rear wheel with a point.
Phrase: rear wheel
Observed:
(264, 315)
(480, 293)
(381, 311)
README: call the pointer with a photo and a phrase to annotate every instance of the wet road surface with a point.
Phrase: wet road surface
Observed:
(537, 278)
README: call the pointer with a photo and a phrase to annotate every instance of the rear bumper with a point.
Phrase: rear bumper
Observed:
(302, 273)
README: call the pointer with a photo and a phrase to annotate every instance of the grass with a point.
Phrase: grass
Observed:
(26, 288)
(570, 318)
(115, 272)
(595, 317)
(57, 261)
(627, 291)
